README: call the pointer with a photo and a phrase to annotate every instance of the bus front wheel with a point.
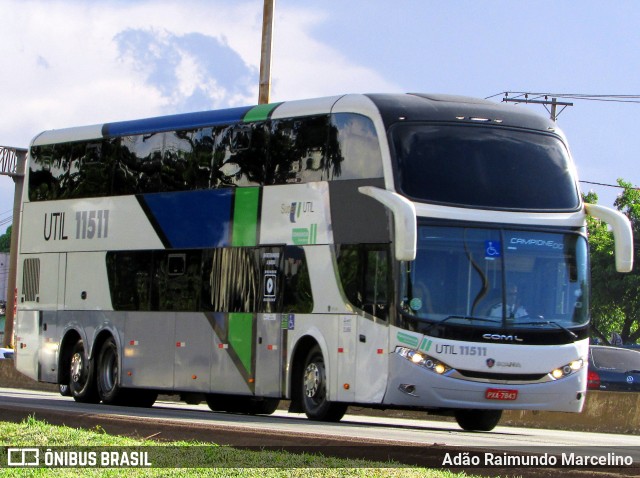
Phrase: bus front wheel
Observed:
(478, 420)
(315, 403)
(82, 384)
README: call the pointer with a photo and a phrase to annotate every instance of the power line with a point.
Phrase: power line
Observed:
(574, 96)
(607, 185)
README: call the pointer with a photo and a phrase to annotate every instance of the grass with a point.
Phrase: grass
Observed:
(167, 458)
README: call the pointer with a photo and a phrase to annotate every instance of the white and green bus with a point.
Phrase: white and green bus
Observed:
(350, 250)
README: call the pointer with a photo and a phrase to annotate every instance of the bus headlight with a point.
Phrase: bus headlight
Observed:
(567, 369)
(423, 360)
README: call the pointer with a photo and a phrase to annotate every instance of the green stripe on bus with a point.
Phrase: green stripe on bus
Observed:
(410, 340)
(245, 217)
(260, 112)
(241, 337)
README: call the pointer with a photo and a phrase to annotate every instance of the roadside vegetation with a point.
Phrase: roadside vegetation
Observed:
(615, 297)
(212, 460)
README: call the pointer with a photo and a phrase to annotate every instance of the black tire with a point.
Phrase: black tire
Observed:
(107, 377)
(314, 390)
(64, 389)
(478, 420)
(82, 384)
(241, 404)
(138, 397)
(262, 406)
(218, 402)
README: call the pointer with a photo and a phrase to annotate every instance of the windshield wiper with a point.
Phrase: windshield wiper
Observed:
(470, 317)
(550, 322)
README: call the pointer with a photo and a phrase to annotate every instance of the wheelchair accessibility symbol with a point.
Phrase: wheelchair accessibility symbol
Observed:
(492, 249)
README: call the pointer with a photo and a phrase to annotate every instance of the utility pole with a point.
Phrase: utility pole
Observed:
(265, 59)
(12, 163)
(554, 103)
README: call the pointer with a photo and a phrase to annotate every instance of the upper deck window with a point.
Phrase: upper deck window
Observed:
(486, 167)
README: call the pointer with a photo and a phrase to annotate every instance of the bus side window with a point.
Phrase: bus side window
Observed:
(45, 173)
(130, 277)
(239, 155)
(178, 148)
(142, 157)
(200, 160)
(231, 280)
(365, 274)
(297, 150)
(354, 148)
(90, 173)
(297, 296)
(179, 277)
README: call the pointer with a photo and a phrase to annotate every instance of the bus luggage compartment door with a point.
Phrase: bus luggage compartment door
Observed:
(269, 355)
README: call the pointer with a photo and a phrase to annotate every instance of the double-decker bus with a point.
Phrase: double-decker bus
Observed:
(357, 249)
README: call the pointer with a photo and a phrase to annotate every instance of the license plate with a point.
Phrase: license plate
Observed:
(500, 394)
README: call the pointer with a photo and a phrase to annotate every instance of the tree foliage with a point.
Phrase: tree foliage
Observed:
(615, 297)
(5, 241)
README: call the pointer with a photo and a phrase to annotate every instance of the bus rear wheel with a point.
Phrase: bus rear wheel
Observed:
(242, 404)
(109, 388)
(315, 403)
(478, 420)
(82, 384)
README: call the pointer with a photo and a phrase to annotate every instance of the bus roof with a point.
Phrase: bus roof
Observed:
(392, 108)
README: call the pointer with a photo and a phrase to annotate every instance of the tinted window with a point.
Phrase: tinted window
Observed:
(141, 159)
(239, 155)
(615, 359)
(297, 295)
(297, 150)
(283, 151)
(130, 276)
(46, 172)
(483, 166)
(497, 278)
(365, 277)
(233, 277)
(354, 149)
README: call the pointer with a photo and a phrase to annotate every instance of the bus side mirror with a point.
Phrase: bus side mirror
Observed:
(622, 234)
(404, 219)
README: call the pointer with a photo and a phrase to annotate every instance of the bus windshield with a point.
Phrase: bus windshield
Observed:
(483, 166)
(497, 278)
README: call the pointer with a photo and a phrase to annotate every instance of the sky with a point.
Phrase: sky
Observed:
(79, 62)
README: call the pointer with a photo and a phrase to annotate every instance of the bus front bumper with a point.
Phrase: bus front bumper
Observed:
(411, 385)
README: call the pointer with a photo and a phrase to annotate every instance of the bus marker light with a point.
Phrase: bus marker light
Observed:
(194, 377)
(380, 351)
(223, 346)
(251, 379)
(133, 342)
(340, 350)
(181, 344)
(129, 374)
(346, 386)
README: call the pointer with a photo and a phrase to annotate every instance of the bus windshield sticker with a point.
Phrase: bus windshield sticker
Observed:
(492, 249)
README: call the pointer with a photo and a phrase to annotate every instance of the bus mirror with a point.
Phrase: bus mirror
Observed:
(404, 219)
(622, 234)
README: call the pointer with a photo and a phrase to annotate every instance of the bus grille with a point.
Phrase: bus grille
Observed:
(508, 377)
(31, 279)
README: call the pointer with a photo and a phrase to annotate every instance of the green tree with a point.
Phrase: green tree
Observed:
(615, 297)
(5, 241)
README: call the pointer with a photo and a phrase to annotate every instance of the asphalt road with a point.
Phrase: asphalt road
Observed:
(409, 441)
